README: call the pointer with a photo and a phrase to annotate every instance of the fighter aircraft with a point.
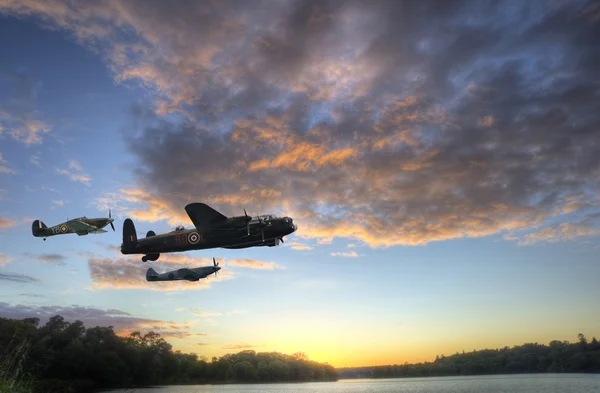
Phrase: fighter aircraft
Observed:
(194, 274)
(212, 230)
(81, 226)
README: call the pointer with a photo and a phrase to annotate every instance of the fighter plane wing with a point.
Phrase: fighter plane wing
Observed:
(80, 226)
(187, 274)
(203, 216)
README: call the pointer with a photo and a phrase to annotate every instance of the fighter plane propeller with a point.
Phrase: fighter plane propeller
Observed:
(212, 230)
(216, 264)
(111, 220)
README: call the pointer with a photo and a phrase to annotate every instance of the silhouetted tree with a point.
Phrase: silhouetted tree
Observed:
(557, 357)
(66, 356)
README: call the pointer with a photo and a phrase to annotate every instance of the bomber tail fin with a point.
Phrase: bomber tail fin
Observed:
(151, 275)
(129, 236)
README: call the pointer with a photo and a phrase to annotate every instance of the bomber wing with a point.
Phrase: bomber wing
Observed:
(203, 216)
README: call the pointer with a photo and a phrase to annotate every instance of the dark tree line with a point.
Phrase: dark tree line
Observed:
(67, 357)
(557, 357)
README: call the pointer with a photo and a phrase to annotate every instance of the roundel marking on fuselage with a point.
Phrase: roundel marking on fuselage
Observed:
(64, 228)
(194, 237)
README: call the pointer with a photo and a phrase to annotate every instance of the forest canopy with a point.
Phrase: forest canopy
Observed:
(65, 356)
(557, 357)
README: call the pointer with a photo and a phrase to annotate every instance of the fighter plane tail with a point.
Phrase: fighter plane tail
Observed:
(38, 228)
(151, 275)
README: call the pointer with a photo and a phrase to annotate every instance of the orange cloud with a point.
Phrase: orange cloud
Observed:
(560, 233)
(300, 246)
(6, 223)
(22, 129)
(252, 264)
(76, 177)
(574, 203)
(4, 259)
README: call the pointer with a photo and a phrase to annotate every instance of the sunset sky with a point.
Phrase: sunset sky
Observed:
(441, 160)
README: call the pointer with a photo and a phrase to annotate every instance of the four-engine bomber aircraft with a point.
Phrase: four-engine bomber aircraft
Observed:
(194, 274)
(81, 226)
(212, 230)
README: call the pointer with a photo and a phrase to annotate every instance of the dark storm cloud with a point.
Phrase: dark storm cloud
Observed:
(394, 122)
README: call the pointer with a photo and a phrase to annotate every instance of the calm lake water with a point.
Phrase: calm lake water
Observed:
(544, 383)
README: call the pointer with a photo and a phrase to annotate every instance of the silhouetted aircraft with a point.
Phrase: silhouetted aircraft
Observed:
(81, 226)
(212, 230)
(194, 274)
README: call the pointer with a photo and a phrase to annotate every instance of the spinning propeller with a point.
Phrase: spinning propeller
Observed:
(215, 264)
(111, 224)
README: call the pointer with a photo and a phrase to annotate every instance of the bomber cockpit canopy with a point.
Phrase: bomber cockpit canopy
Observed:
(265, 217)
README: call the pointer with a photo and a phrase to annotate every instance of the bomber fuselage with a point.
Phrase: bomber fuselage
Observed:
(192, 239)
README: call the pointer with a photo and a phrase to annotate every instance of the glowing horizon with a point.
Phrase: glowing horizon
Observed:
(439, 160)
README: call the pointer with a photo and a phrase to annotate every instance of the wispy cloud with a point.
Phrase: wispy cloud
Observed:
(4, 259)
(58, 203)
(19, 118)
(559, 233)
(204, 314)
(34, 295)
(23, 126)
(6, 223)
(57, 259)
(4, 168)
(300, 246)
(44, 188)
(252, 264)
(35, 160)
(75, 165)
(345, 254)
(240, 346)
(76, 177)
(15, 277)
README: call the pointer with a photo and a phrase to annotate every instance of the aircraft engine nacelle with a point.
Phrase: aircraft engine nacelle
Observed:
(273, 243)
